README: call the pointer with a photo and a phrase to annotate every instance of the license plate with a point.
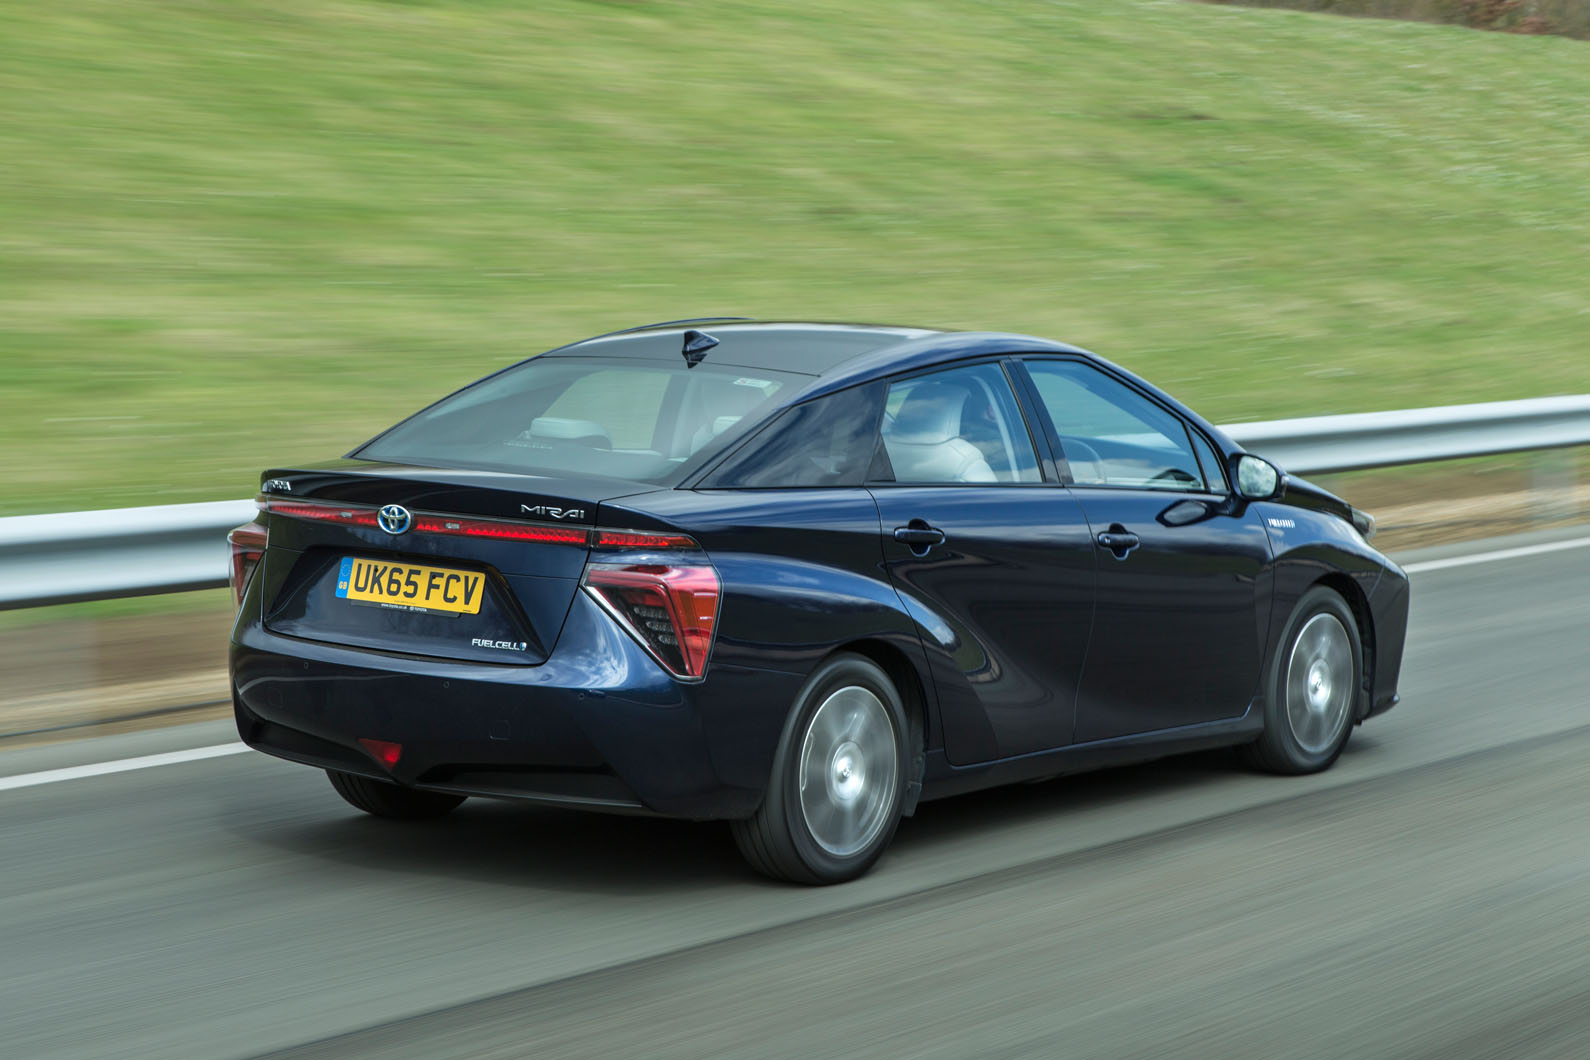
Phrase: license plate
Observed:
(410, 587)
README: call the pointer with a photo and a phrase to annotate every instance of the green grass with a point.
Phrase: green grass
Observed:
(235, 234)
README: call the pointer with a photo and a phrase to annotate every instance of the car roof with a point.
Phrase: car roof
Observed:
(801, 348)
(840, 354)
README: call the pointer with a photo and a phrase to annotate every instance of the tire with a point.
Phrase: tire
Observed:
(383, 799)
(1312, 687)
(846, 739)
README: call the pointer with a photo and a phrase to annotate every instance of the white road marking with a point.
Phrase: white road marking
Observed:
(99, 769)
(1491, 557)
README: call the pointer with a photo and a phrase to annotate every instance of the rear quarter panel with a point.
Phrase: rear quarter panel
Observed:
(802, 573)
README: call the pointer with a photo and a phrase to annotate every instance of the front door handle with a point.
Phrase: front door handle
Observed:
(919, 535)
(1119, 540)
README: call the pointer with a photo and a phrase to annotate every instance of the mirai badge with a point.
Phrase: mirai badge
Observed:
(555, 513)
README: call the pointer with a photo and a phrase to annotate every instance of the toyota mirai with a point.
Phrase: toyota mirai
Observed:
(799, 577)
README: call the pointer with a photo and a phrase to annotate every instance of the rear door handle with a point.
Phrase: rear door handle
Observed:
(919, 536)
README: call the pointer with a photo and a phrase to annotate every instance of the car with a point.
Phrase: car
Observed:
(800, 577)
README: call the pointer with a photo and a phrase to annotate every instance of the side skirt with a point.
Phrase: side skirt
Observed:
(942, 779)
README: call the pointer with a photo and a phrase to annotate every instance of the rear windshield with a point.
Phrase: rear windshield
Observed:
(636, 420)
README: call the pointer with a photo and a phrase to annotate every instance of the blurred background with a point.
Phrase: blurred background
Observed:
(235, 234)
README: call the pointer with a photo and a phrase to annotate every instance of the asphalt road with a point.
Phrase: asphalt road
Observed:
(1430, 896)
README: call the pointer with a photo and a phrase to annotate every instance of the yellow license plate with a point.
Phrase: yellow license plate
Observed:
(410, 587)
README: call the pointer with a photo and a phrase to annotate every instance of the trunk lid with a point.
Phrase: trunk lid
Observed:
(483, 570)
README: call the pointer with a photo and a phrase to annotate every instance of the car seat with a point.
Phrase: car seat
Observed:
(924, 442)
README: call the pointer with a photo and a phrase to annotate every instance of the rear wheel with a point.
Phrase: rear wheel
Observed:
(834, 798)
(384, 799)
(1312, 687)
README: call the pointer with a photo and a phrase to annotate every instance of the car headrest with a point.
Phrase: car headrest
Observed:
(930, 414)
(586, 432)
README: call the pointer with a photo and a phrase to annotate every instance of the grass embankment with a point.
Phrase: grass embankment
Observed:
(236, 234)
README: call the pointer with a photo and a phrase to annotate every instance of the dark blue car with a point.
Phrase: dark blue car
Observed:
(800, 577)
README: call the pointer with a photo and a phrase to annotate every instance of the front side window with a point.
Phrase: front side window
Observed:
(587, 416)
(957, 426)
(1210, 460)
(1110, 435)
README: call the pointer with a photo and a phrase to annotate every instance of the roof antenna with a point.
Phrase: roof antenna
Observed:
(697, 343)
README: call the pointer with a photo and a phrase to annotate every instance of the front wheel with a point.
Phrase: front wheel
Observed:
(1312, 687)
(838, 781)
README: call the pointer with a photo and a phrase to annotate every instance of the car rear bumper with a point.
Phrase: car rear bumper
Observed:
(598, 726)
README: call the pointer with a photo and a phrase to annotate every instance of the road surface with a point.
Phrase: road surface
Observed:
(1429, 896)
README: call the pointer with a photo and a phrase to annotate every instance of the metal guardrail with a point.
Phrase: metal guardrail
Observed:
(72, 556)
(1318, 444)
(60, 559)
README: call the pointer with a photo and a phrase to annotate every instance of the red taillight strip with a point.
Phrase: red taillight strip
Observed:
(639, 539)
(502, 531)
(497, 529)
(348, 515)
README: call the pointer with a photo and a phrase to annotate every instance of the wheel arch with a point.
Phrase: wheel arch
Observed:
(1352, 593)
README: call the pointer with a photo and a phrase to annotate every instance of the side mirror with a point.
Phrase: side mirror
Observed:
(1257, 478)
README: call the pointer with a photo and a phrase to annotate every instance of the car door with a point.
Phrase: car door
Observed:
(1182, 595)
(995, 565)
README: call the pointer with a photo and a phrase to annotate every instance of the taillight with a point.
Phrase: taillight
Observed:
(347, 514)
(248, 547)
(499, 529)
(670, 609)
(384, 751)
(429, 522)
(641, 539)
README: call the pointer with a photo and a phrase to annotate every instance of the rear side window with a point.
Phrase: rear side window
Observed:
(827, 442)
(958, 426)
(577, 416)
